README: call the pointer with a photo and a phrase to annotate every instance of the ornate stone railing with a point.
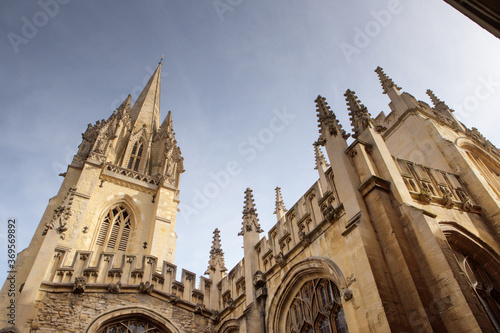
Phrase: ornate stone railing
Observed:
(132, 174)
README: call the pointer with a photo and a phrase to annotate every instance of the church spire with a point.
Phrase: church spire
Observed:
(216, 262)
(250, 221)
(438, 104)
(280, 209)
(327, 120)
(386, 81)
(359, 116)
(146, 109)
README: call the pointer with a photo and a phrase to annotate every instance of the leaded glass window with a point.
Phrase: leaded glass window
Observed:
(317, 308)
(132, 325)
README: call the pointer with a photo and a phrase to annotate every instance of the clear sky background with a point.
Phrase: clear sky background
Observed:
(230, 66)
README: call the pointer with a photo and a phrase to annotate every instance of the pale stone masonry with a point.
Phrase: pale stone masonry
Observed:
(400, 233)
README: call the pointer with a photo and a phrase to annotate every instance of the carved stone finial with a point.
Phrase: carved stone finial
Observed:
(359, 116)
(280, 209)
(216, 261)
(386, 81)
(438, 104)
(319, 157)
(327, 120)
(250, 221)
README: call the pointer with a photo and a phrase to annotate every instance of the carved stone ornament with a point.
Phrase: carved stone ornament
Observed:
(146, 287)
(448, 200)
(330, 213)
(79, 285)
(258, 279)
(425, 195)
(115, 288)
(347, 294)
(61, 215)
(468, 205)
(174, 299)
(199, 308)
(215, 317)
(280, 259)
(304, 238)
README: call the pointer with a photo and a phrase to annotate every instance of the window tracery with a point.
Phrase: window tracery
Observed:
(317, 308)
(131, 325)
(115, 229)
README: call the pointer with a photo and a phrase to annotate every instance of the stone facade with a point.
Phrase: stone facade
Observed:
(399, 233)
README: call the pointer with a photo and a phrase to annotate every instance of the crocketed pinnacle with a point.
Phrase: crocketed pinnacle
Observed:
(359, 116)
(327, 120)
(386, 81)
(320, 158)
(216, 254)
(280, 209)
(250, 220)
(438, 104)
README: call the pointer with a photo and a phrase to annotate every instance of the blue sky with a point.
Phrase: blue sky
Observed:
(230, 68)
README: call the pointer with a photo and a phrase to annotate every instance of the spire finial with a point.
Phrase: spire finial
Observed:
(386, 81)
(327, 120)
(216, 260)
(161, 60)
(280, 209)
(320, 158)
(438, 104)
(359, 116)
(250, 220)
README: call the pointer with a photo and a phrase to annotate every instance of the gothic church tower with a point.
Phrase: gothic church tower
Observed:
(119, 196)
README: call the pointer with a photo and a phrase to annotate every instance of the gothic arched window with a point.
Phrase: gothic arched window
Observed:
(317, 308)
(135, 156)
(132, 325)
(115, 229)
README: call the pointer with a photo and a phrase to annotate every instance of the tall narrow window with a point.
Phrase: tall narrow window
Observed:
(115, 229)
(135, 156)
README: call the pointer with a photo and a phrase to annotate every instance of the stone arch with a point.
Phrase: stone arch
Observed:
(116, 200)
(304, 271)
(135, 311)
(230, 326)
(480, 265)
(463, 240)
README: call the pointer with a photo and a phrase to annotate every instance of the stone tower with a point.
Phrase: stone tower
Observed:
(119, 197)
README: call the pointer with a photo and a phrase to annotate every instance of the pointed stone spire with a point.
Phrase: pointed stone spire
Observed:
(320, 159)
(386, 81)
(216, 261)
(280, 209)
(438, 104)
(146, 110)
(250, 221)
(327, 120)
(359, 116)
